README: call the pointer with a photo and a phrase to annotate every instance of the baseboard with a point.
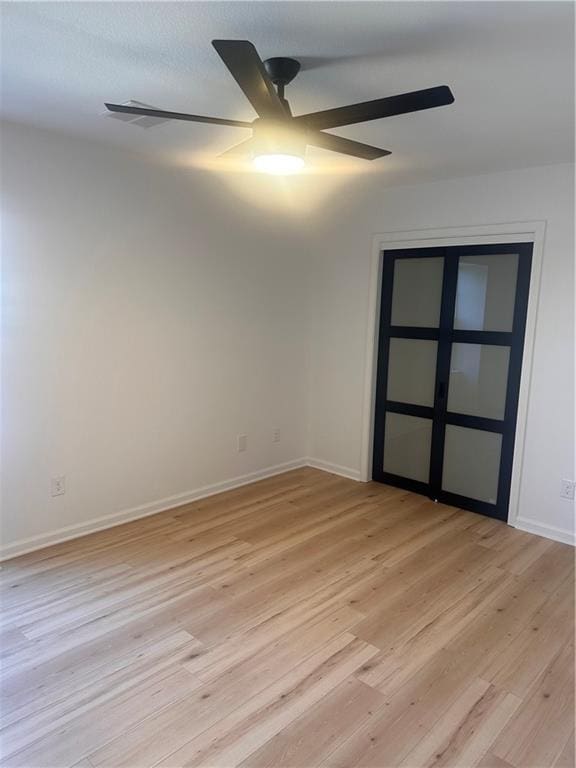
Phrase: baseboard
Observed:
(548, 531)
(334, 469)
(23, 546)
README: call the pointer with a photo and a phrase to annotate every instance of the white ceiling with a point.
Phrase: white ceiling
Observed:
(509, 64)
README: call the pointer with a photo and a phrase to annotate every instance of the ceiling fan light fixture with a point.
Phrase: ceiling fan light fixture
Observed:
(278, 163)
(277, 149)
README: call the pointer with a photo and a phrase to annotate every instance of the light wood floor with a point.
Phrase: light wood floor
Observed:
(306, 620)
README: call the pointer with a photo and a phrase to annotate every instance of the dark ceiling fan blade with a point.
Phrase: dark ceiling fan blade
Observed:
(344, 146)
(238, 149)
(176, 115)
(374, 110)
(247, 69)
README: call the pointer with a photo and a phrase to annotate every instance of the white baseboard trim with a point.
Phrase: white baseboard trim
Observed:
(335, 469)
(23, 546)
(548, 531)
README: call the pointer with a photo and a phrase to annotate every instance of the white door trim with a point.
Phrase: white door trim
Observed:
(483, 234)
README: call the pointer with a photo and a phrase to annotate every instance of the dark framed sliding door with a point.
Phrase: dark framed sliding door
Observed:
(451, 337)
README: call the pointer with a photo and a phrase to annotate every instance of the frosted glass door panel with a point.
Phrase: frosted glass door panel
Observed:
(486, 292)
(417, 292)
(412, 371)
(471, 463)
(478, 380)
(407, 441)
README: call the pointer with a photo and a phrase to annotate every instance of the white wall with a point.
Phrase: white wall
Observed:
(339, 290)
(149, 317)
(152, 314)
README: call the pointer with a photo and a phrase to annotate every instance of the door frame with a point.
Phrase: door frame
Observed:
(484, 234)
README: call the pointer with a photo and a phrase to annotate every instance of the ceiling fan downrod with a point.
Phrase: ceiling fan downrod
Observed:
(281, 70)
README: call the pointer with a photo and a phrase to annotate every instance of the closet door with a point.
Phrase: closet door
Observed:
(449, 360)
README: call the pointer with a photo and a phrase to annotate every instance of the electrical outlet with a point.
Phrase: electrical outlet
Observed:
(567, 489)
(242, 443)
(276, 435)
(58, 485)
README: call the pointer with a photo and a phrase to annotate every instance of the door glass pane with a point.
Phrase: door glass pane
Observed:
(412, 371)
(486, 292)
(407, 442)
(417, 291)
(478, 380)
(471, 463)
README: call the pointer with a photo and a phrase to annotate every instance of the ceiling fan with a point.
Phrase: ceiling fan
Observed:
(279, 139)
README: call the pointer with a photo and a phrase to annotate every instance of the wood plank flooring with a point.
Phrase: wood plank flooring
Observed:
(305, 620)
